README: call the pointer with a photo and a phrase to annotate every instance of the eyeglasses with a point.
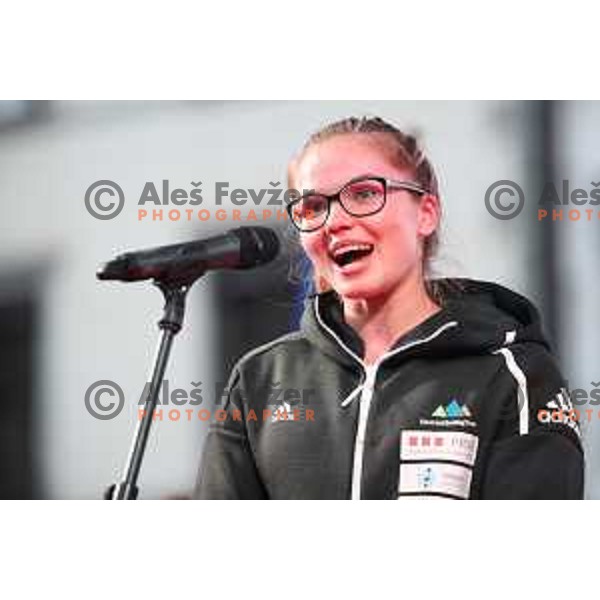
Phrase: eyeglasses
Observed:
(360, 197)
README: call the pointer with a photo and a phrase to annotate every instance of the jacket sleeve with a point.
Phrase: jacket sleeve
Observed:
(536, 452)
(227, 469)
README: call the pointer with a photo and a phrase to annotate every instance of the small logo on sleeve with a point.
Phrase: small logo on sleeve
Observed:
(560, 410)
(286, 412)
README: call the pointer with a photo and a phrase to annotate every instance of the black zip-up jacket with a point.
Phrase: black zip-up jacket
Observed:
(469, 404)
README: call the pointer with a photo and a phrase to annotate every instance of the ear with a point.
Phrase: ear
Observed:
(429, 215)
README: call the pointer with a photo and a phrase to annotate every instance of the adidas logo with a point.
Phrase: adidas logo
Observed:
(283, 412)
(560, 410)
(562, 401)
(452, 410)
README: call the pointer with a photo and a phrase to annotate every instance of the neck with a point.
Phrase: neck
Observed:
(381, 321)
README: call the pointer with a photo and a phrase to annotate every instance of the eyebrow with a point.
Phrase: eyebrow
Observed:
(339, 187)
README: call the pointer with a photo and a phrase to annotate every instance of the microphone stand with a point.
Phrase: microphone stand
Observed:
(174, 293)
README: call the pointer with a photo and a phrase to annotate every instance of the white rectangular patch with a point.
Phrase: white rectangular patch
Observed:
(434, 477)
(423, 497)
(422, 444)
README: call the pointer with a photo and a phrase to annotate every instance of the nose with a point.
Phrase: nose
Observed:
(338, 217)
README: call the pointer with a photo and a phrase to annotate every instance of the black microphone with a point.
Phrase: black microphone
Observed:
(241, 248)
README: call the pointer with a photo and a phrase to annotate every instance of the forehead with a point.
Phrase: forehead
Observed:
(328, 164)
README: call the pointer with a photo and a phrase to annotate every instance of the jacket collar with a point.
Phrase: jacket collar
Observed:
(487, 317)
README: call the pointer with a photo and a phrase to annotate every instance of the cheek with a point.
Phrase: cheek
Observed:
(314, 246)
(399, 236)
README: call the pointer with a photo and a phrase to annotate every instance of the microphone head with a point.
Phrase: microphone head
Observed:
(258, 246)
(114, 269)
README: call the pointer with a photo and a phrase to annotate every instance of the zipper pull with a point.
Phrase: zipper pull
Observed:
(352, 395)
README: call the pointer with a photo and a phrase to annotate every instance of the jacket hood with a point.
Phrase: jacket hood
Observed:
(477, 317)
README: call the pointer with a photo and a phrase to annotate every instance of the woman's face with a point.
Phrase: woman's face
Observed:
(391, 239)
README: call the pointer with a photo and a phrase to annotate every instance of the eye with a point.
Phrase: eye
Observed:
(365, 194)
(364, 191)
(311, 206)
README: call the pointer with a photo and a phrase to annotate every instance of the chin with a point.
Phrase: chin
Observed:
(358, 291)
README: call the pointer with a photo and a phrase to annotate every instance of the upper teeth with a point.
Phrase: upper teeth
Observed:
(350, 248)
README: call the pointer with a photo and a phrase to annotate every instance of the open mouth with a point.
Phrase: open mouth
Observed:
(351, 253)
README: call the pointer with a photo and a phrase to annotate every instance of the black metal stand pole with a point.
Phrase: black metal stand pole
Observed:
(170, 326)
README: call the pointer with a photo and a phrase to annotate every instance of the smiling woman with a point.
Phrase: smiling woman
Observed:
(424, 388)
(373, 240)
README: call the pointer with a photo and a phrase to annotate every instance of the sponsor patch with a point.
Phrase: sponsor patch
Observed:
(422, 444)
(423, 497)
(432, 477)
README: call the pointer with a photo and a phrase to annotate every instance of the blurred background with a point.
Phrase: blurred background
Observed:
(61, 330)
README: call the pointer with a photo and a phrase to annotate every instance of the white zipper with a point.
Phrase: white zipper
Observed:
(367, 389)
(366, 396)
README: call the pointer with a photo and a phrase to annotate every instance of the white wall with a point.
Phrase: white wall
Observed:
(93, 331)
(579, 269)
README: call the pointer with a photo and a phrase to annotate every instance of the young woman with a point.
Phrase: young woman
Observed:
(397, 386)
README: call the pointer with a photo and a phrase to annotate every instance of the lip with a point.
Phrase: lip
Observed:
(351, 268)
(332, 248)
